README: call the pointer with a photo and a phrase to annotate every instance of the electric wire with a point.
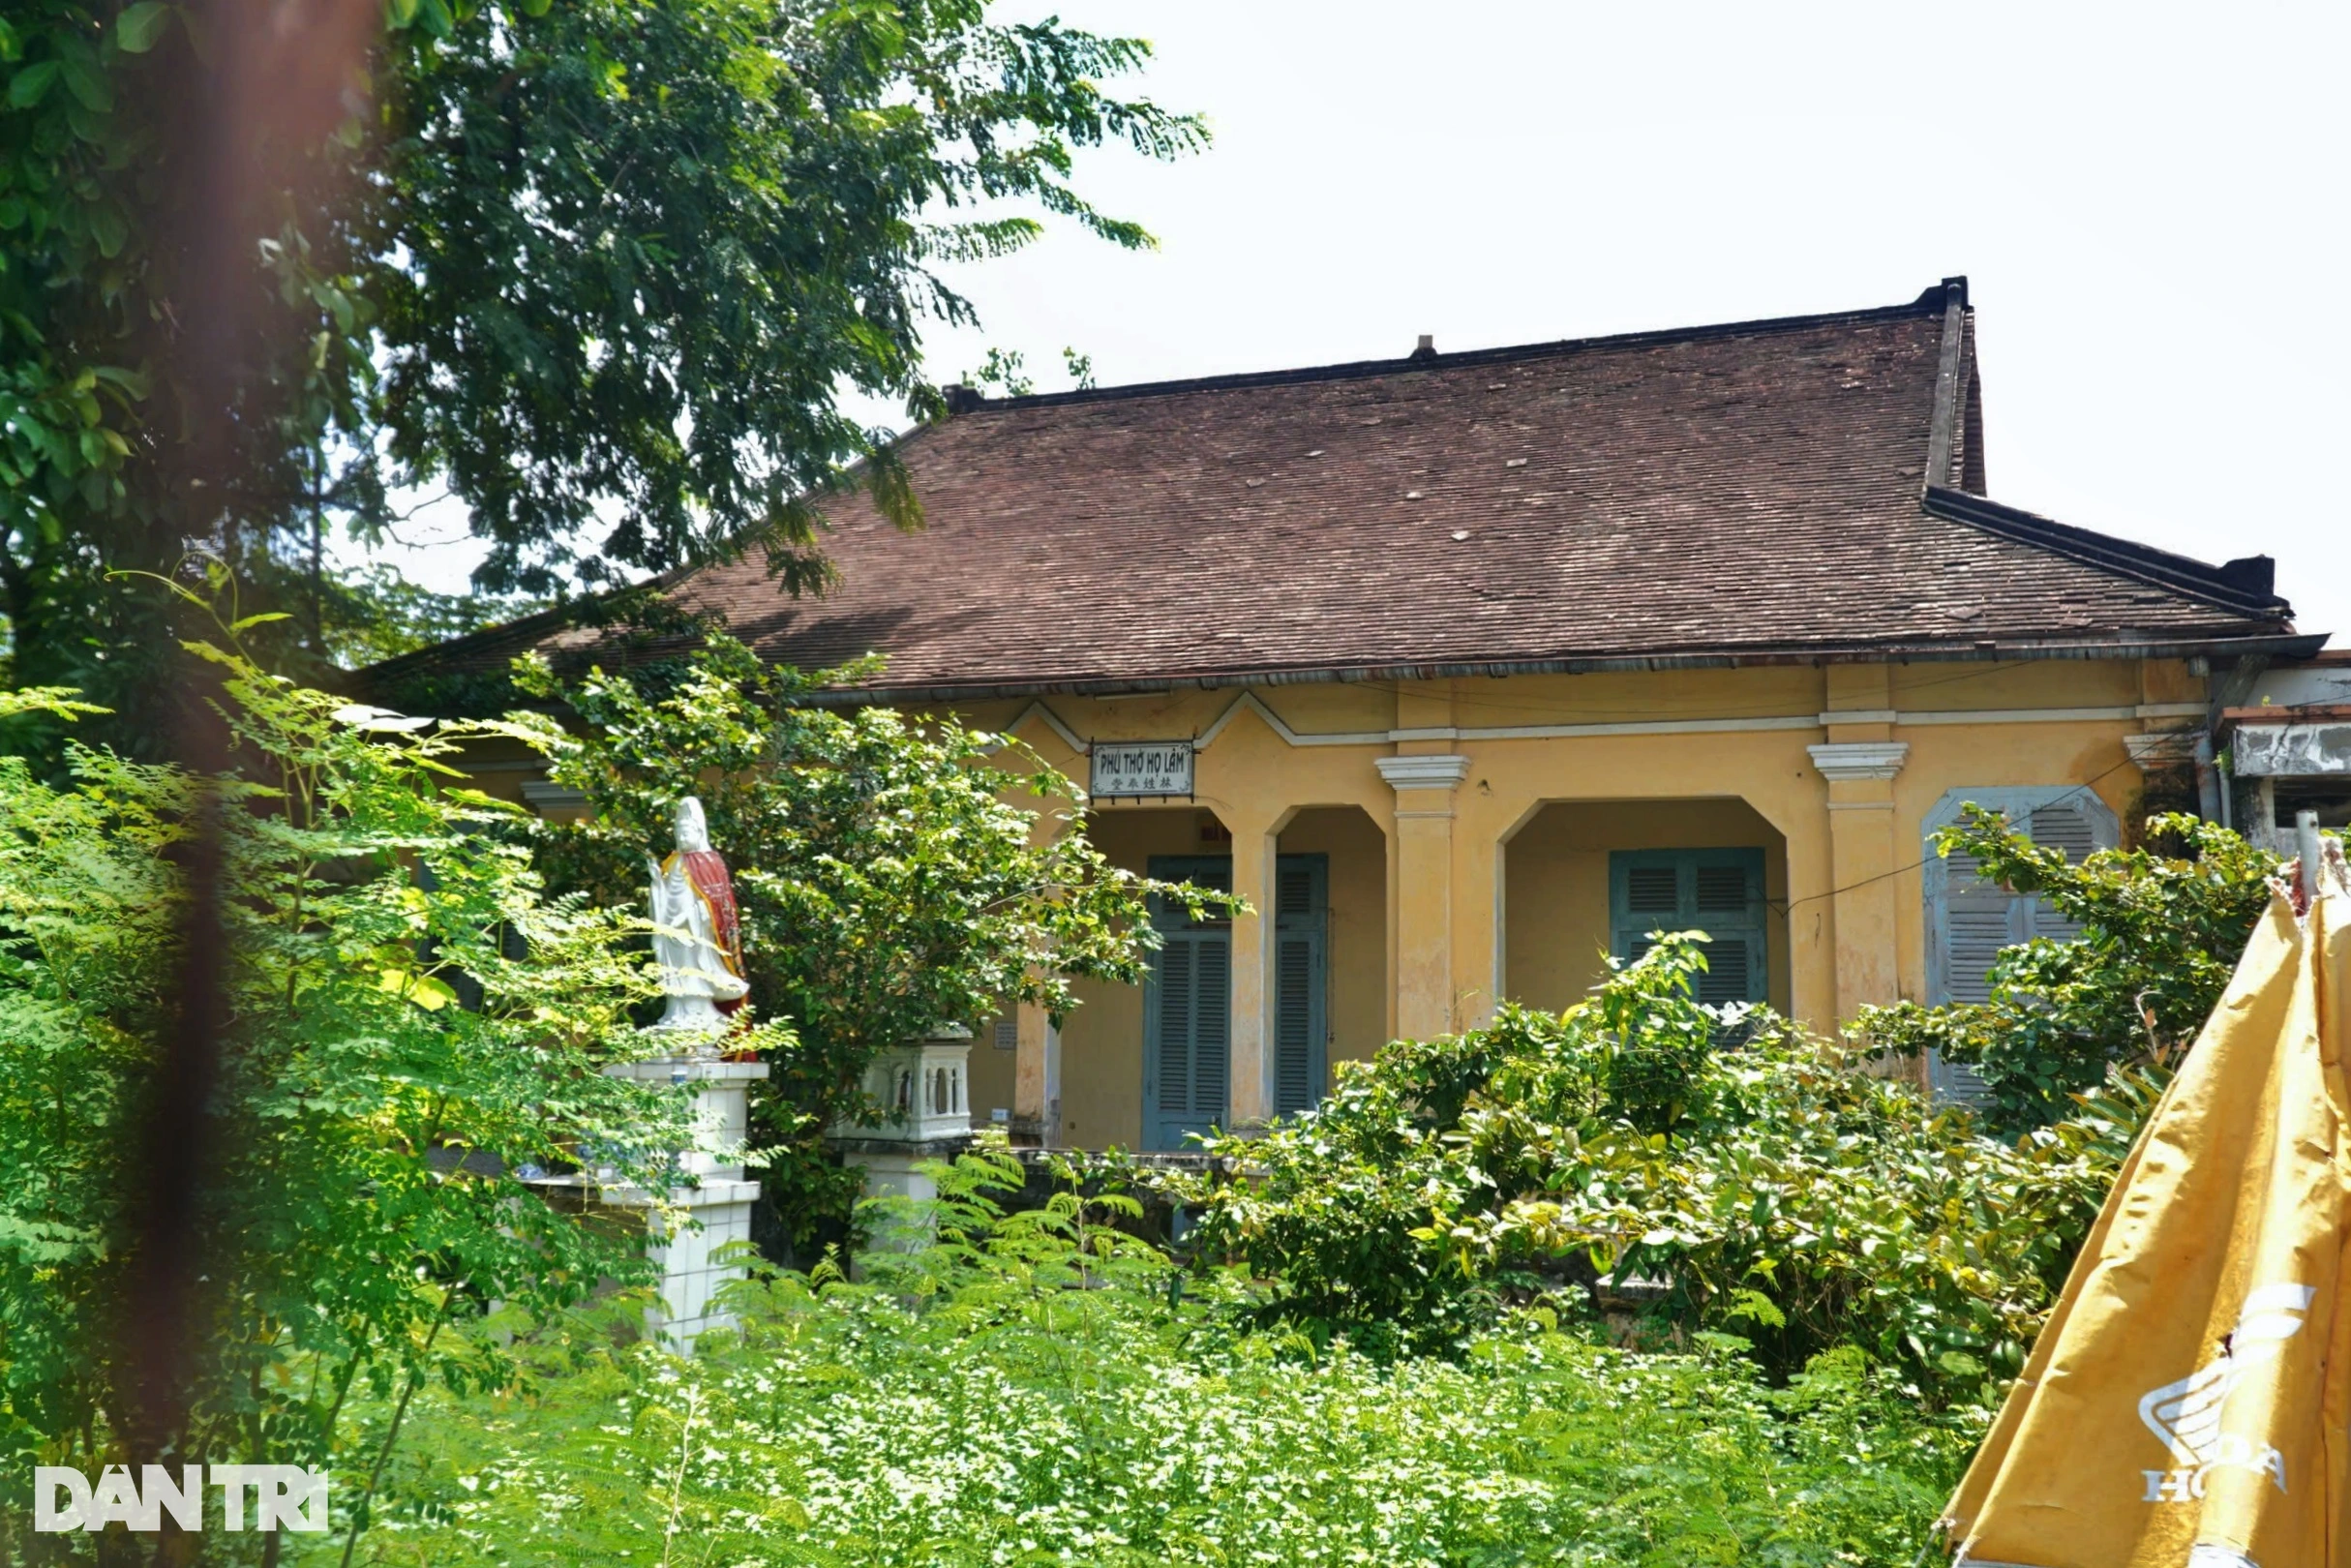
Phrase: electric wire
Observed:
(1923, 861)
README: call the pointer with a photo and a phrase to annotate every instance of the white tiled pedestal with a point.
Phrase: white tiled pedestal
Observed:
(721, 1204)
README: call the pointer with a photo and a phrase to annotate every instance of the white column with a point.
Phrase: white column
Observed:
(1256, 848)
(1863, 860)
(1035, 1078)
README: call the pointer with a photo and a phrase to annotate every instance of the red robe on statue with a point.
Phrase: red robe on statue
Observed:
(707, 875)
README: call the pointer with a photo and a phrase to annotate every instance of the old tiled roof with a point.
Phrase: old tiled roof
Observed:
(1757, 492)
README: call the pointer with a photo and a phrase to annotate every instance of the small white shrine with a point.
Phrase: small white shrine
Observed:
(925, 1088)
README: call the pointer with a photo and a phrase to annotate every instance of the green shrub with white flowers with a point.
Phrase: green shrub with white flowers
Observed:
(1043, 1387)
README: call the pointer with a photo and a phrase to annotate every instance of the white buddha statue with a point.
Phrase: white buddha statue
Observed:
(699, 943)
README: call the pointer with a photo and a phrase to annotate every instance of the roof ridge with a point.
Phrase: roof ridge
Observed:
(1942, 430)
(2214, 585)
(1929, 302)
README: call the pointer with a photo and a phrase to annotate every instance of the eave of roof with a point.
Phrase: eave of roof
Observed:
(2307, 713)
(2181, 573)
(2222, 649)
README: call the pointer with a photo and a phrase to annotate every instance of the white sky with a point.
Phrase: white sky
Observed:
(2149, 201)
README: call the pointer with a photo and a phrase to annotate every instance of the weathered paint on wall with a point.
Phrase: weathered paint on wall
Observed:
(1555, 883)
(993, 1073)
(2012, 684)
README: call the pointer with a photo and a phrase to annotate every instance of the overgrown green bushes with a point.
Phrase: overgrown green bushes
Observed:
(1718, 1172)
(1040, 1389)
(1772, 1189)
(1377, 1349)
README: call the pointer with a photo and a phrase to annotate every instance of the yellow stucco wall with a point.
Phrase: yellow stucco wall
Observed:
(1555, 885)
(993, 1074)
(2015, 684)
(1488, 871)
(1457, 929)
(1101, 1041)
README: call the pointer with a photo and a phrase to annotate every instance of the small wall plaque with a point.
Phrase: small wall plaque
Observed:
(1132, 769)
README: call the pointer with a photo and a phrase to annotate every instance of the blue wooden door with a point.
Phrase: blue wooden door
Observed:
(1301, 1034)
(1187, 1010)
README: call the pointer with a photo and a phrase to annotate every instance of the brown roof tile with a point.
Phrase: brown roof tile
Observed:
(1750, 492)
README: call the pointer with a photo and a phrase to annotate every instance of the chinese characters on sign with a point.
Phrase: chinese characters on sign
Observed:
(1134, 768)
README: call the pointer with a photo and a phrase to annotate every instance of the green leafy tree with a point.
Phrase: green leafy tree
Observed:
(1007, 372)
(893, 876)
(2159, 935)
(356, 1207)
(185, 347)
(601, 269)
(373, 613)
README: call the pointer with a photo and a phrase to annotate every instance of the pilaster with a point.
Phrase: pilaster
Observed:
(1478, 931)
(2154, 750)
(1035, 1042)
(1424, 786)
(1255, 848)
(1863, 865)
(1035, 1078)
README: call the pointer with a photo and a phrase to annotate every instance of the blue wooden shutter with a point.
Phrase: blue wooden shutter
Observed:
(1210, 1030)
(1176, 971)
(1980, 918)
(2061, 826)
(1300, 938)
(1187, 1010)
(1727, 903)
(1719, 891)
(1970, 921)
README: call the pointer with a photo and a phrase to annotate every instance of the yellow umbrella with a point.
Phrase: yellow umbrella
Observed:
(2188, 1404)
